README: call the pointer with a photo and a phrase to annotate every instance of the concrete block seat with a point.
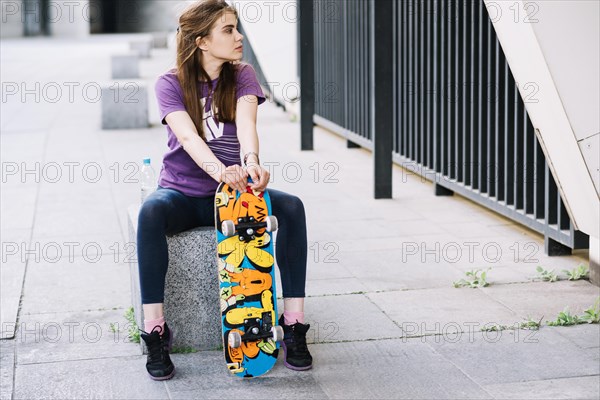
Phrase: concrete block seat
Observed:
(142, 46)
(191, 305)
(125, 66)
(125, 105)
(160, 40)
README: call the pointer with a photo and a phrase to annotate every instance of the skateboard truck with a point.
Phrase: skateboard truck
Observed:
(256, 329)
(246, 227)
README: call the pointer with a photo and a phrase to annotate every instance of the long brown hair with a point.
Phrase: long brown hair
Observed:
(197, 20)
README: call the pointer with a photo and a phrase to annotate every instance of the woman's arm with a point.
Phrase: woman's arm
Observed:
(245, 120)
(184, 129)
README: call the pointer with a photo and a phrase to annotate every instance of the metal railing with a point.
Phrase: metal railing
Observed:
(458, 118)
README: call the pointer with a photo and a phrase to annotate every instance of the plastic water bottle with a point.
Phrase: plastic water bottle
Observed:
(147, 179)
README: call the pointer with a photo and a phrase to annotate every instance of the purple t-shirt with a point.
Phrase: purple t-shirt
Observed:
(179, 171)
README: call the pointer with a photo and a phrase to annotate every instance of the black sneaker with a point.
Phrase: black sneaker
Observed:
(295, 351)
(159, 363)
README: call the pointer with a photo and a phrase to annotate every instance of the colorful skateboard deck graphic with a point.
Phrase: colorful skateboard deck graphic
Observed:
(246, 280)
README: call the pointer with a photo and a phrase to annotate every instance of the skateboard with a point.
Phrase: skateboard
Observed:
(247, 290)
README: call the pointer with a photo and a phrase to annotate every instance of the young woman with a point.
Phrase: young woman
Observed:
(209, 103)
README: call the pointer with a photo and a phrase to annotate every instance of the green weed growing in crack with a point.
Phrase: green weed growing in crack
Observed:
(475, 278)
(592, 314)
(565, 318)
(496, 328)
(133, 333)
(529, 324)
(545, 275)
(580, 272)
(113, 327)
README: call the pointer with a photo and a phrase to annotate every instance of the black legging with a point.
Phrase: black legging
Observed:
(168, 211)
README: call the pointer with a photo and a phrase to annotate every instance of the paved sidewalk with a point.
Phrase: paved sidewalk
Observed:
(386, 321)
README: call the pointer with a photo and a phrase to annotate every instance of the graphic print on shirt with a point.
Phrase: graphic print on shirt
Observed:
(213, 129)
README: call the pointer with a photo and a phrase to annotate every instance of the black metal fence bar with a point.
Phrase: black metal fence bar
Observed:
(307, 37)
(458, 116)
(383, 106)
(342, 78)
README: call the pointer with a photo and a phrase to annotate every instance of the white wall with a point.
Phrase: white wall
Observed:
(270, 27)
(573, 58)
(554, 45)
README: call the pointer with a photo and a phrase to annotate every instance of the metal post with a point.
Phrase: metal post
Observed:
(382, 42)
(307, 73)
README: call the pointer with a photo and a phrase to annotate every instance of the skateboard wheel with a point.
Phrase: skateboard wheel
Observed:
(272, 224)
(234, 340)
(228, 227)
(277, 333)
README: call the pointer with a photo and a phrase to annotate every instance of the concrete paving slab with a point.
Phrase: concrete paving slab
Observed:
(537, 299)
(14, 236)
(520, 255)
(45, 115)
(75, 219)
(324, 262)
(390, 369)
(18, 147)
(448, 260)
(439, 210)
(7, 368)
(102, 378)
(84, 180)
(586, 336)
(17, 206)
(321, 210)
(347, 317)
(474, 252)
(322, 287)
(78, 286)
(330, 210)
(504, 275)
(336, 231)
(392, 269)
(470, 229)
(367, 244)
(442, 310)
(522, 251)
(530, 269)
(84, 246)
(11, 284)
(203, 375)
(85, 147)
(410, 228)
(507, 229)
(556, 263)
(516, 356)
(584, 388)
(52, 337)
(12, 273)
